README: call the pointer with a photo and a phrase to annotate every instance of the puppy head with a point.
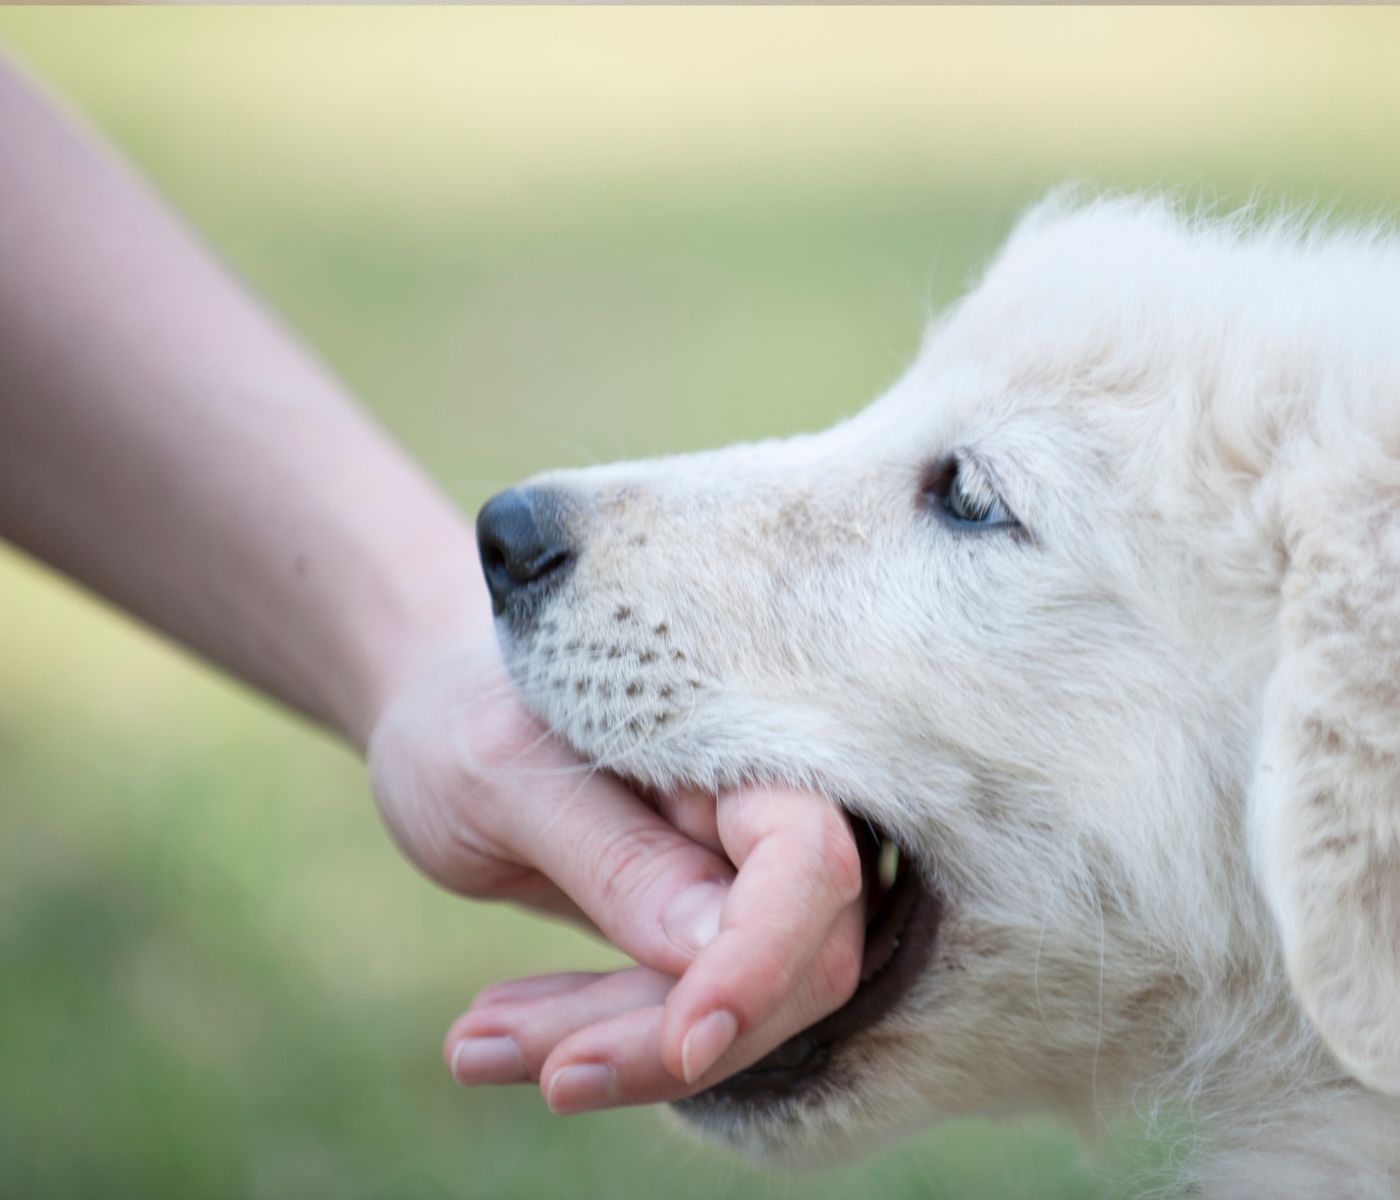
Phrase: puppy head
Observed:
(1009, 617)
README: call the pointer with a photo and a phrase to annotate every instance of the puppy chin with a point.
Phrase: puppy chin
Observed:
(807, 1137)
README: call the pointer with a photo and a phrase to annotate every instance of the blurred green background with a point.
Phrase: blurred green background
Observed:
(526, 238)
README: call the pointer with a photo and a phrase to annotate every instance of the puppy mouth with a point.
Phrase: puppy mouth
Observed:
(902, 917)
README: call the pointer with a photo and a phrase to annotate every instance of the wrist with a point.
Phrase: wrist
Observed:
(433, 602)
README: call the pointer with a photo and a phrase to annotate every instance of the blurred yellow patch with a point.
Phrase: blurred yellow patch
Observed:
(450, 107)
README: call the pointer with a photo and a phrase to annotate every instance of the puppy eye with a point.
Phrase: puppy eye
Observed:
(966, 497)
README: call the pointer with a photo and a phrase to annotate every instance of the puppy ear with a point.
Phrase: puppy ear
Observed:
(1325, 802)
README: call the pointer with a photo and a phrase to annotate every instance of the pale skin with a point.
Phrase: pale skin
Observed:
(166, 443)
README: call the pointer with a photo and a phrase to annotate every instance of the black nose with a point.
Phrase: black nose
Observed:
(524, 548)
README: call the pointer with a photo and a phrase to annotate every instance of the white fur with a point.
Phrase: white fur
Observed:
(1149, 752)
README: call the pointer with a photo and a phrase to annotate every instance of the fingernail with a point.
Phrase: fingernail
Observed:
(706, 1043)
(488, 1060)
(581, 1087)
(691, 919)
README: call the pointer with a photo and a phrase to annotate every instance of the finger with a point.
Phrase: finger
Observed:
(793, 916)
(534, 987)
(616, 1061)
(651, 891)
(557, 905)
(694, 813)
(593, 1041)
(609, 1063)
(509, 1042)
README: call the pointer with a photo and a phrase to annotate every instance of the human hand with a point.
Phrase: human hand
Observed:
(487, 803)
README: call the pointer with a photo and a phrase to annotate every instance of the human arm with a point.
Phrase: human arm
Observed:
(167, 444)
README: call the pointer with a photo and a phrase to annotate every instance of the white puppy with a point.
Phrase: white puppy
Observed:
(1096, 616)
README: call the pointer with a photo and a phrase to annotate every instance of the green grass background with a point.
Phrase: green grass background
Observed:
(525, 239)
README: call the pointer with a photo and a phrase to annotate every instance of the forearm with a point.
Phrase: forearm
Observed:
(165, 443)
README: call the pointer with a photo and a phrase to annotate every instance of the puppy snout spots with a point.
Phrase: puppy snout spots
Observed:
(610, 678)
